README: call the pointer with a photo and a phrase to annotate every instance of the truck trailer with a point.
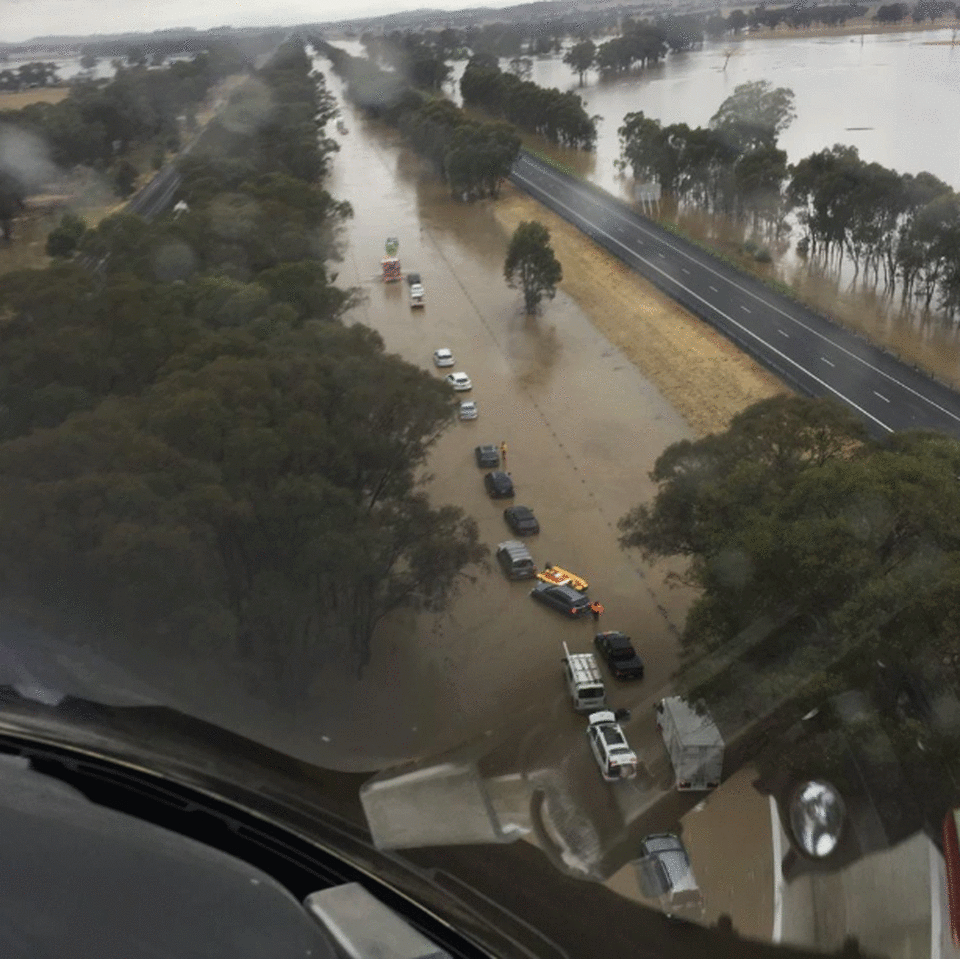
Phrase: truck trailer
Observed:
(693, 743)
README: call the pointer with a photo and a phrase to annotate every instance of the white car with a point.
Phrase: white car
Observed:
(468, 410)
(459, 381)
(416, 294)
(443, 357)
(609, 747)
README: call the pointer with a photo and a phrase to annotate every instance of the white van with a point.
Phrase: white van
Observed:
(584, 681)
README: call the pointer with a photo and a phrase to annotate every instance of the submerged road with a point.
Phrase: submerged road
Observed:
(810, 353)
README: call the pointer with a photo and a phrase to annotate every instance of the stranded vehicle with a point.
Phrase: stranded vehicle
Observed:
(487, 456)
(499, 485)
(583, 681)
(564, 598)
(521, 520)
(664, 873)
(416, 295)
(622, 659)
(693, 742)
(515, 560)
(609, 747)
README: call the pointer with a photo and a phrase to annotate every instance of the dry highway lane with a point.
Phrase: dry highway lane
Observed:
(807, 351)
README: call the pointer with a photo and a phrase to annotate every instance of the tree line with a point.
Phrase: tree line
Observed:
(825, 562)
(733, 167)
(27, 76)
(557, 116)
(196, 455)
(474, 158)
(903, 230)
(98, 122)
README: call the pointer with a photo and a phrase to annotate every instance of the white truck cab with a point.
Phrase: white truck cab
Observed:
(584, 681)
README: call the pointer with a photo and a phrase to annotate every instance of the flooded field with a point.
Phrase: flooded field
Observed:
(887, 94)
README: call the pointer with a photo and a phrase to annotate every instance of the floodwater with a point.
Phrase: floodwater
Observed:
(893, 96)
(67, 67)
(582, 427)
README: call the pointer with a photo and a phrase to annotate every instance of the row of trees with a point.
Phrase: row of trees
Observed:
(98, 122)
(28, 75)
(474, 158)
(195, 454)
(824, 562)
(902, 228)
(417, 58)
(734, 167)
(924, 10)
(559, 117)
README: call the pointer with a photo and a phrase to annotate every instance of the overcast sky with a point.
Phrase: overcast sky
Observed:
(23, 19)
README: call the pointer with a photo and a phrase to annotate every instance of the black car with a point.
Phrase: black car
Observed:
(498, 484)
(488, 457)
(413, 278)
(564, 599)
(620, 655)
(521, 520)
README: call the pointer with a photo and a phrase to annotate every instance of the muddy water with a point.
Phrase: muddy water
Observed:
(583, 429)
(893, 96)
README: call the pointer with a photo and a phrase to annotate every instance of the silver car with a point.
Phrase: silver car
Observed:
(468, 410)
(459, 381)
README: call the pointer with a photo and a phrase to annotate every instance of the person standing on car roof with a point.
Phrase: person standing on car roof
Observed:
(596, 609)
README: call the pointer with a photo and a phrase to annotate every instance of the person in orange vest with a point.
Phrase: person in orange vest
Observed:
(596, 608)
(503, 453)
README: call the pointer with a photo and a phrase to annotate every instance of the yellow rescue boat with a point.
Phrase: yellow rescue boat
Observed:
(558, 576)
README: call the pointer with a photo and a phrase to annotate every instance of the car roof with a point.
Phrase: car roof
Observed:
(443, 351)
(520, 510)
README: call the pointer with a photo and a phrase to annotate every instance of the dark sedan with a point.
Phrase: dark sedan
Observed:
(498, 484)
(521, 520)
(619, 654)
(565, 599)
(488, 456)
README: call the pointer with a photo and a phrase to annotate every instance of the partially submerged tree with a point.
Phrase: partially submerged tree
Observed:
(755, 114)
(580, 57)
(531, 265)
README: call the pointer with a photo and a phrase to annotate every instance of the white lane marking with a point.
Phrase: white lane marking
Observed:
(727, 317)
(937, 883)
(715, 290)
(685, 270)
(885, 400)
(664, 255)
(745, 310)
(638, 224)
(784, 333)
(825, 360)
(777, 851)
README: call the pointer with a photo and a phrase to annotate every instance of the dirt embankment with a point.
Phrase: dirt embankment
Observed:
(704, 376)
(23, 98)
